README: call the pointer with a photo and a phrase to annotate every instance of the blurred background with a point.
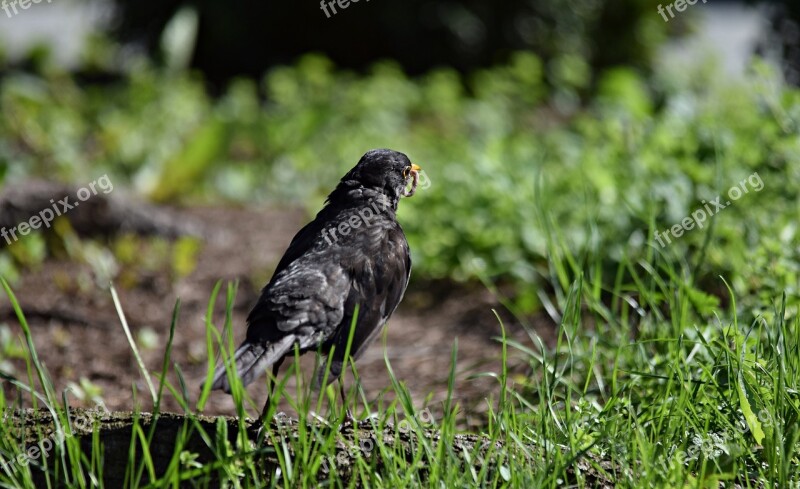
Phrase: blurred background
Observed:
(553, 133)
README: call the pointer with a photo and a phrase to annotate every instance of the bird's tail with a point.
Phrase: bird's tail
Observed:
(250, 360)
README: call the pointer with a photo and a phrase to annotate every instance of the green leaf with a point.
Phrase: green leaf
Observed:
(749, 415)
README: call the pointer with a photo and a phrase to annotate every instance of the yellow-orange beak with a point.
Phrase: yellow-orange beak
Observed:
(415, 167)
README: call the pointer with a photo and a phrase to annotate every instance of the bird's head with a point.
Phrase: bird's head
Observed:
(382, 171)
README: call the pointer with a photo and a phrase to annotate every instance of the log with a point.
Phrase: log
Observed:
(101, 213)
(115, 431)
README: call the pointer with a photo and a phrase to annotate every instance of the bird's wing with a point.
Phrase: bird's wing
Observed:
(378, 282)
(307, 287)
(302, 242)
(306, 299)
(302, 304)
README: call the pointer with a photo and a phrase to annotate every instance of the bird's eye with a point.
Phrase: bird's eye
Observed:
(406, 172)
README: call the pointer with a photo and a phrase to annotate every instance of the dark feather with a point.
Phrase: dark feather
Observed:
(354, 253)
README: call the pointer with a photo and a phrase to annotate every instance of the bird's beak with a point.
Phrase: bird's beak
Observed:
(415, 167)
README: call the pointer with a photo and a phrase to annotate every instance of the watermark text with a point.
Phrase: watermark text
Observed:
(58, 208)
(708, 209)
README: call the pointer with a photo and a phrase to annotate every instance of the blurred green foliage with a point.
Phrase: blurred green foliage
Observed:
(512, 165)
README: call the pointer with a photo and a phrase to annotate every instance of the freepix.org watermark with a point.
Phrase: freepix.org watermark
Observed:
(82, 422)
(678, 5)
(330, 6)
(12, 7)
(714, 444)
(709, 209)
(58, 208)
(366, 445)
(370, 211)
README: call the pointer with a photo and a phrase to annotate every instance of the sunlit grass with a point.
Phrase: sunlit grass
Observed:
(641, 387)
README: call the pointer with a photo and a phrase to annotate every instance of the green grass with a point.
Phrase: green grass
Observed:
(642, 388)
(674, 366)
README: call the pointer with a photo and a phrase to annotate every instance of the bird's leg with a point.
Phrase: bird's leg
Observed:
(271, 382)
(348, 416)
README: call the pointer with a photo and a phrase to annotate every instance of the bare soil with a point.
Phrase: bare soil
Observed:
(78, 334)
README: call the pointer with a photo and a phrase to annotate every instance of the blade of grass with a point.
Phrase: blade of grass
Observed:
(167, 353)
(206, 391)
(133, 346)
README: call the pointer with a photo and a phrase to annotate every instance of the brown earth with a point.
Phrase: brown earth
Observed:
(79, 336)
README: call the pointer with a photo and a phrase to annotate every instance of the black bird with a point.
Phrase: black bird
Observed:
(353, 254)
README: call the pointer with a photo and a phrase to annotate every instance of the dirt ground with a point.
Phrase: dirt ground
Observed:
(78, 334)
